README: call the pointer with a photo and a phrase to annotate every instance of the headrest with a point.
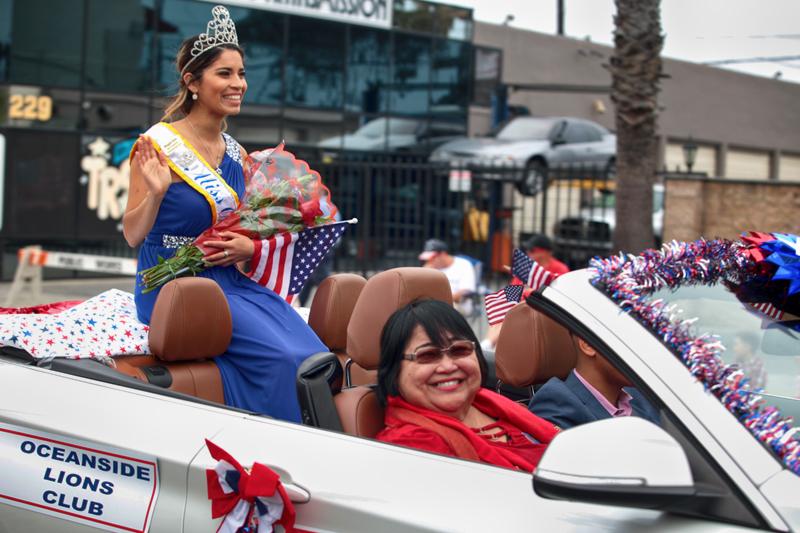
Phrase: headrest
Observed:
(532, 348)
(190, 320)
(384, 294)
(332, 306)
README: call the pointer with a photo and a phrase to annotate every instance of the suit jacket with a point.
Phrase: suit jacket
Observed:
(569, 403)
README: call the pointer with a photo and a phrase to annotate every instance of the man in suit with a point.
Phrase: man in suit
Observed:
(594, 390)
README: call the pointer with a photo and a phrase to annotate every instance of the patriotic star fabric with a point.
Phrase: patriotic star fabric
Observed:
(102, 326)
(284, 262)
(529, 271)
(499, 303)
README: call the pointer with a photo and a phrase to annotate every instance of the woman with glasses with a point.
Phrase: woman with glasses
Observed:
(430, 380)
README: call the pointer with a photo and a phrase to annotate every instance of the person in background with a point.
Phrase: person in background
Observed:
(594, 390)
(540, 249)
(460, 272)
(430, 379)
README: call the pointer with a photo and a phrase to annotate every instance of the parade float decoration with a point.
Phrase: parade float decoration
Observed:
(762, 269)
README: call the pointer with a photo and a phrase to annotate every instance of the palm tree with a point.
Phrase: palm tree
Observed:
(635, 71)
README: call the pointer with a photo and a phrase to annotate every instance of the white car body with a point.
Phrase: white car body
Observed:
(344, 483)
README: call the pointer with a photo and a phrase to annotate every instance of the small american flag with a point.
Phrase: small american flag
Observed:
(768, 309)
(528, 271)
(499, 303)
(284, 262)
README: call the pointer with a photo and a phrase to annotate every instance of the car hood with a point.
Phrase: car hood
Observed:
(492, 146)
(361, 142)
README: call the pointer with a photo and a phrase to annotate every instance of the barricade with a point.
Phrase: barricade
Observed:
(31, 260)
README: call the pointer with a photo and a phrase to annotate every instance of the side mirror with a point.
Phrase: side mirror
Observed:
(628, 462)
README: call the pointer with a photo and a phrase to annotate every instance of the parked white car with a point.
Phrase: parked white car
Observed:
(700, 470)
(534, 145)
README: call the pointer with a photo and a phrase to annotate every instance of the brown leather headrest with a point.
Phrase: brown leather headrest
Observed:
(332, 307)
(532, 348)
(190, 320)
(384, 294)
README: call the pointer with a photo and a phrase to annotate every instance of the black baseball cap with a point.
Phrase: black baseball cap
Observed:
(431, 248)
(539, 241)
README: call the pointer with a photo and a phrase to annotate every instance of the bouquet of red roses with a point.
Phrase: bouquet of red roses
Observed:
(282, 194)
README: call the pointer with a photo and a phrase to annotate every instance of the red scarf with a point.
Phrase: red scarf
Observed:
(463, 440)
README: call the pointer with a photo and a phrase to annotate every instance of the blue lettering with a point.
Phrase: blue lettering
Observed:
(27, 446)
(106, 487)
(58, 454)
(42, 450)
(96, 508)
(49, 496)
(72, 457)
(48, 473)
(143, 473)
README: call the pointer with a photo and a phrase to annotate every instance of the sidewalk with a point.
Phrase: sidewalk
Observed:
(72, 289)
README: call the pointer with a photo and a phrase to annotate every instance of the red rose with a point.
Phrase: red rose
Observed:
(310, 211)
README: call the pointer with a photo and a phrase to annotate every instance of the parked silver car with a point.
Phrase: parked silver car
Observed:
(533, 145)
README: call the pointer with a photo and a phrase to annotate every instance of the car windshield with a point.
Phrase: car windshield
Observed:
(767, 350)
(526, 129)
(397, 126)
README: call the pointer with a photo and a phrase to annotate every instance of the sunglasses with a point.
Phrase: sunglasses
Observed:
(431, 354)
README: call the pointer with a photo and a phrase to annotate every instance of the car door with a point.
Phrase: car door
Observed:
(725, 458)
(571, 146)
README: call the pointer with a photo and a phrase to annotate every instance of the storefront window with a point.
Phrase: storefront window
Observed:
(5, 37)
(413, 15)
(488, 68)
(450, 76)
(452, 22)
(261, 36)
(46, 42)
(367, 71)
(179, 20)
(118, 46)
(315, 63)
(411, 76)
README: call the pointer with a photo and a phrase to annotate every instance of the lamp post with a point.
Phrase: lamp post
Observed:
(689, 153)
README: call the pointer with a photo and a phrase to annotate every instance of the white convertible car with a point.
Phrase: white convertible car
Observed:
(85, 446)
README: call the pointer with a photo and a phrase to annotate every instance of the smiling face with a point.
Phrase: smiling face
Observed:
(447, 386)
(221, 87)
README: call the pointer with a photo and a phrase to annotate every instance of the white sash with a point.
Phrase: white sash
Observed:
(187, 163)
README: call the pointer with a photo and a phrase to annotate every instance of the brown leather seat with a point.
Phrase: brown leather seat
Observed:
(532, 348)
(359, 410)
(190, 324)
(330, 313)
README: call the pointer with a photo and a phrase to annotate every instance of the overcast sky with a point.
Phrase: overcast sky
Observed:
(696, 30)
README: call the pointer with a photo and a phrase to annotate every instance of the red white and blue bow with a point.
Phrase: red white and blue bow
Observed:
(251, 501)
(529, 271)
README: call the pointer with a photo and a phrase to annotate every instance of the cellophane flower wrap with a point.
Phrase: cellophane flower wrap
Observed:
(282, 194)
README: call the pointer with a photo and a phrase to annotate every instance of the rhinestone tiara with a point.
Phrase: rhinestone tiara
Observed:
(220, 31)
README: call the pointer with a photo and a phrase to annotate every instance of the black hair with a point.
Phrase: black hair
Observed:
(182, 101)
(539, 241)
(438, 319)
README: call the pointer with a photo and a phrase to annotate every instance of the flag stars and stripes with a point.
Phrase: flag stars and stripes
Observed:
(499, 303)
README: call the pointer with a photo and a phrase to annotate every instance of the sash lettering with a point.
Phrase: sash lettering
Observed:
(194, 170)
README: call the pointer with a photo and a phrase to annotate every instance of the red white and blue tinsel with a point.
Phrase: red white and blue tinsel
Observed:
(759, 258)
(250, 501)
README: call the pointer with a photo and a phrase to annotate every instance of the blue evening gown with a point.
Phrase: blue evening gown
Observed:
(269, 340)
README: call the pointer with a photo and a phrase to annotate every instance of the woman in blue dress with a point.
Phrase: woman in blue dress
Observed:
(169, 206)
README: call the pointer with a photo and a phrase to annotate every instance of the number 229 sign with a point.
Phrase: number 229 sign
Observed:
(30, 107)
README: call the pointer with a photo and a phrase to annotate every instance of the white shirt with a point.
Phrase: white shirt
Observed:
(461, 275)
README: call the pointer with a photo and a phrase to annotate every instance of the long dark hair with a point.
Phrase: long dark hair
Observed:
(182, 100)
(438, 320)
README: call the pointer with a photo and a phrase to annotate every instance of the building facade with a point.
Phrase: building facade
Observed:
(746, 127)
(80, 79)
